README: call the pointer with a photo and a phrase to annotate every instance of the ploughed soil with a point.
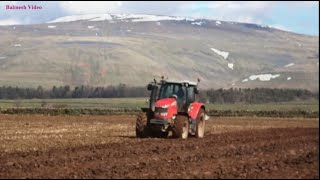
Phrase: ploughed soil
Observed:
(253, 153)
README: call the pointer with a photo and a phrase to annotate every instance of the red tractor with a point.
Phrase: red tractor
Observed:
(172, 108)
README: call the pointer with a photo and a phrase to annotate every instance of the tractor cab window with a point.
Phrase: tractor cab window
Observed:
(167, 90)
(191, 94)
(180, 91)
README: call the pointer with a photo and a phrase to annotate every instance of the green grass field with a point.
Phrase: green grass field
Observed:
(76, 103)
(283, 106)
(141, 102)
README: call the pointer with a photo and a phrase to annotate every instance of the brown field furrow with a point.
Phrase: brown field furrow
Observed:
(150, 158)
(232, 148)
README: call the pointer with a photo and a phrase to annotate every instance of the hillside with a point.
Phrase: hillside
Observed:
(104, 49)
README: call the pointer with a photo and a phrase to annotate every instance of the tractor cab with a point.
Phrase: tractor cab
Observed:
(183, 92)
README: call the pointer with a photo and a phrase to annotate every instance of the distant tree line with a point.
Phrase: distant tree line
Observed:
(66, 92)
(257, 95)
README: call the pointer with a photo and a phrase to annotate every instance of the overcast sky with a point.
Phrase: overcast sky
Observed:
(301, 17)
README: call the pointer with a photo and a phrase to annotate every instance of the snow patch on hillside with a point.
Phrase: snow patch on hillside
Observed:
(224, 55)
(245, 80)
(263, 77)
(51, 27)
(197, 23)
(221, 53)
(156, 18)
(91, 17)
(288, 65)
(230, 65)
(122, 17)
(145, 17)
(189, 19)
(102, 17)
(288, 78)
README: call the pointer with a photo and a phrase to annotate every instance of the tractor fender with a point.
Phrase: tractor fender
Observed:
(194, 109)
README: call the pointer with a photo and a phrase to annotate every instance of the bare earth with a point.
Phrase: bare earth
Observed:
(36, 146)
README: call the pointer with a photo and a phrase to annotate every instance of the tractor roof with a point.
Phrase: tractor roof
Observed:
(181, 82)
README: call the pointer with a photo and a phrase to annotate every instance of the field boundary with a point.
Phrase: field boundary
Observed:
(125, 111)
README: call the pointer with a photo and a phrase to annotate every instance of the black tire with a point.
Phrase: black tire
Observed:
(201, 123)
(181, 127)
(142, 130)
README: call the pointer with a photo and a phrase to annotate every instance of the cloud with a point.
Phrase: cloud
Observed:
(252, 6)
(90, 7)
(306, 3)
(8, 22)
(239, 11)
(248, 19)
(149, 7)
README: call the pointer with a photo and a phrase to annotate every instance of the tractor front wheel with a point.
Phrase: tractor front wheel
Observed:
(181, 127)
(200, 124)
(142, 130)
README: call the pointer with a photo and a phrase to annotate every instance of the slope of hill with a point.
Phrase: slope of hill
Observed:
(103, 49)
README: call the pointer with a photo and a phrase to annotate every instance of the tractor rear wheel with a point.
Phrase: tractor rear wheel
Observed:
(200, 124)
(142, 130)
(181, 127)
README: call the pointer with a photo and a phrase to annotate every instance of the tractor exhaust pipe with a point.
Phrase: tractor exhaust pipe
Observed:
(154, 91)
(153, 97)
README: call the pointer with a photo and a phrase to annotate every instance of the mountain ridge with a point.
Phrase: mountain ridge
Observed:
(133, 49)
